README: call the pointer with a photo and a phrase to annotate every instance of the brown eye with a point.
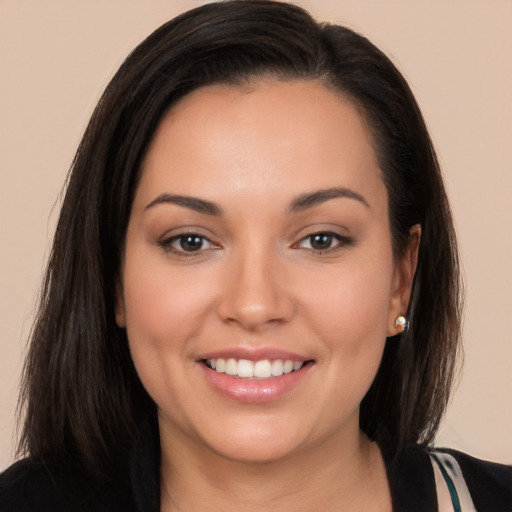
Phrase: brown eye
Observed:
(190, 243)
(187, 244)
(321, 241)
(324, 242)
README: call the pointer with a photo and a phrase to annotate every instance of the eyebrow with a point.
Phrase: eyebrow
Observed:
(302, 202)
(312, 199)
(193, 203)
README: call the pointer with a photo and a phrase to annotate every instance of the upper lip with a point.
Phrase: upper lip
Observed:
(253, 354)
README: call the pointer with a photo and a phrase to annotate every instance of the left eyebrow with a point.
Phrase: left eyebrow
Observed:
(305, 201)
(193, 203)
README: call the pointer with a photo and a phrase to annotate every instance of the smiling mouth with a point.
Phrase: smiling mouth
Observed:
(262, 369)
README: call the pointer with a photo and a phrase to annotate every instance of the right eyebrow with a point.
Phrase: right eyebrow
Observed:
(193, 203)
(312, 199)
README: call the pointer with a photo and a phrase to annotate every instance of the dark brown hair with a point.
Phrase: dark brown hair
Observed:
(81, 396)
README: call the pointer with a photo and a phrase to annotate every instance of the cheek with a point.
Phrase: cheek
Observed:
(349, 313)
(164, 311)
(352, 303)
(160, 304)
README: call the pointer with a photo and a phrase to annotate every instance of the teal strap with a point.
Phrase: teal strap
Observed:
(449, 483)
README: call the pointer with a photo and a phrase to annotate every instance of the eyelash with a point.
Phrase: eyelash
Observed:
(167, 243)
(342, 241)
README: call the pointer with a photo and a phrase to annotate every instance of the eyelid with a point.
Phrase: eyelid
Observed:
(166, 243)
(342, 241)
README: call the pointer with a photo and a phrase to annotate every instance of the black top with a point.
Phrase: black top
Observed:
(30, 486)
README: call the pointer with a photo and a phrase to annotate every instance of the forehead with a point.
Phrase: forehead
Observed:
(291, 135)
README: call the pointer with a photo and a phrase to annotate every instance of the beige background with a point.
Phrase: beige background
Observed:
(56, 57)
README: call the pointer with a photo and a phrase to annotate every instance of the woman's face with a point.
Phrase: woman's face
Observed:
(259, 242)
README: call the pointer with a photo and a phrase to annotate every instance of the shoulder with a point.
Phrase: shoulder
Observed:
(30, 486)
(26, 485)
(489, 483)
(414, 486)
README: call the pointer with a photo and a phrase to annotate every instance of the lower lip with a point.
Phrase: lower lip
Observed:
(255, 390)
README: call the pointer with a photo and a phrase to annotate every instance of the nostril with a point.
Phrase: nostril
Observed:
(256, 317)
(254, 298)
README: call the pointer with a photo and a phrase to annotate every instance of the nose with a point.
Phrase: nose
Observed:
(256, 295)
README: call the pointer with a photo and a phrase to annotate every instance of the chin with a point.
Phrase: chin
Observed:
(251, 451)
(268, 442)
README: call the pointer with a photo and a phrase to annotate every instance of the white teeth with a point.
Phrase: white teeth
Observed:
(245, 368)
(288, 366)
(277, 367)
(220, 365)
(231, 367)
(263, 369)
(249, 369)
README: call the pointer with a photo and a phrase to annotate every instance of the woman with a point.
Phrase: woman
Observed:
(253, 297)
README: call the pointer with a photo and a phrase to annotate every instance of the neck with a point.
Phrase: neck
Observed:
(345, 476)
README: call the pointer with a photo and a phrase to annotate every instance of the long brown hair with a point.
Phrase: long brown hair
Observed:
(81, 396)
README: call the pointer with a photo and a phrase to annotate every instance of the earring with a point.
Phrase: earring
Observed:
(400, 323)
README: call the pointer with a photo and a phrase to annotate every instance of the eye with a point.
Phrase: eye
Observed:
(187, 244)
(323, 242)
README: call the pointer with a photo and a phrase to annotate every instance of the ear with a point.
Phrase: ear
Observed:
(403, 276)
(120, 310)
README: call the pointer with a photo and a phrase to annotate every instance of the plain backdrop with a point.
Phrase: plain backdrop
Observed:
(57, 56)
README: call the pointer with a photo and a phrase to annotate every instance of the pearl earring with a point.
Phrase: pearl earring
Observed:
(400, 323)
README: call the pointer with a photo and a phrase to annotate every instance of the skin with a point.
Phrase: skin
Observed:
(257, 281)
